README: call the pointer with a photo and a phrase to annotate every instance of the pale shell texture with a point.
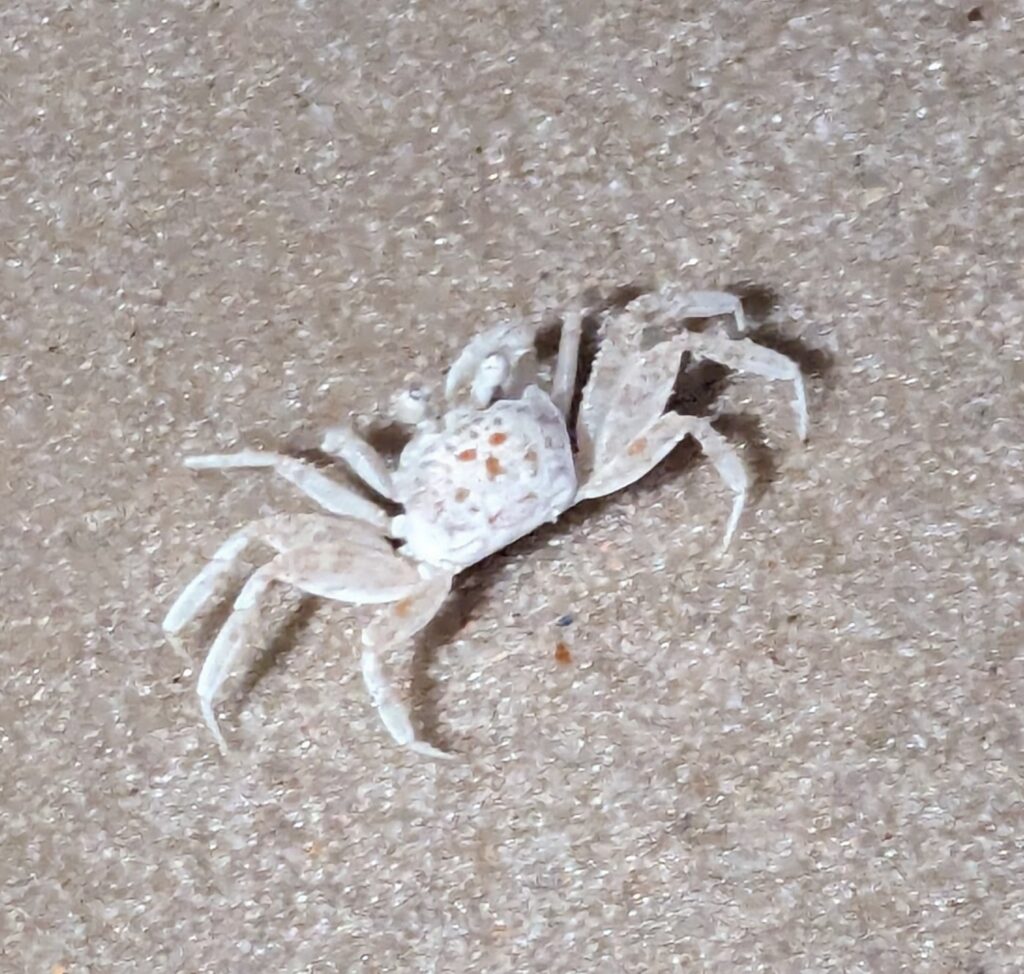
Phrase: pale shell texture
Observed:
(486, 481)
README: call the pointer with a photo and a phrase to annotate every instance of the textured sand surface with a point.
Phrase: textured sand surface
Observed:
(229, 224)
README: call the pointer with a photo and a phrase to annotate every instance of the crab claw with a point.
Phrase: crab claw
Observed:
(491, 363)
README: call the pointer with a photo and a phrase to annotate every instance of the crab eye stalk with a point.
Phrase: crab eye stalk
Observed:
(411, 406)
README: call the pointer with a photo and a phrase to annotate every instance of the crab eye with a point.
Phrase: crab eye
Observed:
(411, 406)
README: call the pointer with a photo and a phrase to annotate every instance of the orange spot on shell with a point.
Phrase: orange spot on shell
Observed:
(466, 455)
(496, 439)
(637, 446)
(493, 465)
(461, 494)
(562, 654)
(403, 608)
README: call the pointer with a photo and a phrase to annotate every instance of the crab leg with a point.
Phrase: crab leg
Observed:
(337, 570)
(204, 585)
(329, 494)
(363, 460)
(675, 303)
(202, 588)
(228, 645)
(281, 532)
(567, 365)
(398, 624)
(743, 355)
(655, 443)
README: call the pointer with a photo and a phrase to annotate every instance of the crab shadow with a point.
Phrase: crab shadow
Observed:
(280, 643)
(697, 389)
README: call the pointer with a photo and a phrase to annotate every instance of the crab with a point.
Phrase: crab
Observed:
(489, 465)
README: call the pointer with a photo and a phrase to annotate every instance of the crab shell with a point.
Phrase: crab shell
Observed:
(487, 479)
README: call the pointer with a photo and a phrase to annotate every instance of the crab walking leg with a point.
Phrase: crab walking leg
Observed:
(398, 624)
(654, 444)
(363, 460)
(329, 494)
(331, 570)
(674, 303)
(743, 355)
(281, 532)
(228, 645)
(202, 588)
(567, 365)
(729, 466)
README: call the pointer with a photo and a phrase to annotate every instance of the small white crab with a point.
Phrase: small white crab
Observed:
(494, 466)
